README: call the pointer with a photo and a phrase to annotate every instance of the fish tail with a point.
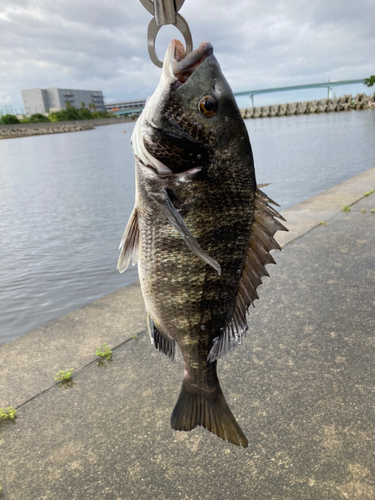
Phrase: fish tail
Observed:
(208, 409)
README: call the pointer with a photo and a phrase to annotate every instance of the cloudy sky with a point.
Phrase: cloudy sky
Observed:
(101, 45)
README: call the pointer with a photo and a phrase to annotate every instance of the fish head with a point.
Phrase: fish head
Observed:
(192, 121)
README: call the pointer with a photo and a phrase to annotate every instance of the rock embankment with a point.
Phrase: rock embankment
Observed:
(17, 131)
(29, 129)
(345, 103)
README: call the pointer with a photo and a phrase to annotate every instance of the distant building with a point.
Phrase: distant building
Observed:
(126, 107)
(54, 99)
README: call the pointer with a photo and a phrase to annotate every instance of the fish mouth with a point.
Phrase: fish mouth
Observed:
(181, 66)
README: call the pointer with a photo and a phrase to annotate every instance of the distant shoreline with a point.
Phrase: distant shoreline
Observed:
(33, 129)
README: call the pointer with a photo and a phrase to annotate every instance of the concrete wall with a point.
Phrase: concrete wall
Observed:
(54, 103)
(345, 103)
(35, 101)
(76, 97)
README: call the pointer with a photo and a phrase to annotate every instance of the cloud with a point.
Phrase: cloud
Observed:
(102, 45)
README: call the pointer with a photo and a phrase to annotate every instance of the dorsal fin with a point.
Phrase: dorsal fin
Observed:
(129, 246)
(161, 342)
(258, 256)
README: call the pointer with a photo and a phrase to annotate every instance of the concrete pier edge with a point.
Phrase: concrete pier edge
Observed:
(29, 363)
(301, 386)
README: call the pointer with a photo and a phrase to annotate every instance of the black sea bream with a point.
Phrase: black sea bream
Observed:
(200, 230)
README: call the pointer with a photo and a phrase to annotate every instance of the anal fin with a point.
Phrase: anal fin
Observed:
(161, 342)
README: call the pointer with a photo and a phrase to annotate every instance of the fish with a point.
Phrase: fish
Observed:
(201, 230)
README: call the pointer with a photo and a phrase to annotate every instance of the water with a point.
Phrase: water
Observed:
(65, 200)
(304, 155)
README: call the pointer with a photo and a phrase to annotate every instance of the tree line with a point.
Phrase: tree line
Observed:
(70, 113)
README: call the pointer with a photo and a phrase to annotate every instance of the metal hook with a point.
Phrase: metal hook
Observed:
(165, 12)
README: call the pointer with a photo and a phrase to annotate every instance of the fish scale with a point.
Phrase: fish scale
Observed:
(201, 229)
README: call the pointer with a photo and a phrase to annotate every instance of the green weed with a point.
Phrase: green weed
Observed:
(373, 210)
(64, 375)
(323, 223)
(346, 208)
(104, 352)
(370, 192)
(363, 210)
(8, 413)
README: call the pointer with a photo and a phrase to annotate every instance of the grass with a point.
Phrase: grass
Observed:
(372, 210)
(8, 413)
(370, 192)
(104, 352)
(64, 375)
(346, 208)
(363, 210)
(323, 223)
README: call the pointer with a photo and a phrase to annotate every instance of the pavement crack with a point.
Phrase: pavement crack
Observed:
(135, 336)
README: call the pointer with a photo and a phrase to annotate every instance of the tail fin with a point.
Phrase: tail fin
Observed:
(210, 410)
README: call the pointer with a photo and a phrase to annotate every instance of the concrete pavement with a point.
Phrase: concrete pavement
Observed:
(301, 386)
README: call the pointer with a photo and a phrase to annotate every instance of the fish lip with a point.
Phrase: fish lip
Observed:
(180, 66)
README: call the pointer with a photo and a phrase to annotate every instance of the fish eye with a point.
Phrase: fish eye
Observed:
(208, 105)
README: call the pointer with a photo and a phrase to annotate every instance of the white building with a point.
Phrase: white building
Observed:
(54, 99)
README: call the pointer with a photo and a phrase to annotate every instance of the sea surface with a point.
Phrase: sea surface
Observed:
(65, 200)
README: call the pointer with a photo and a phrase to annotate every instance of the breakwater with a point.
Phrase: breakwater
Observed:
(344, 103)
(30, 129)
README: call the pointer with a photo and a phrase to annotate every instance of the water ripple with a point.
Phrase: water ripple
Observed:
(65, 200)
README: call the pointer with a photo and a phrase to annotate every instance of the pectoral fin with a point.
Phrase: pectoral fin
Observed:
(129, 245)
(168, 209)
(258, 256)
